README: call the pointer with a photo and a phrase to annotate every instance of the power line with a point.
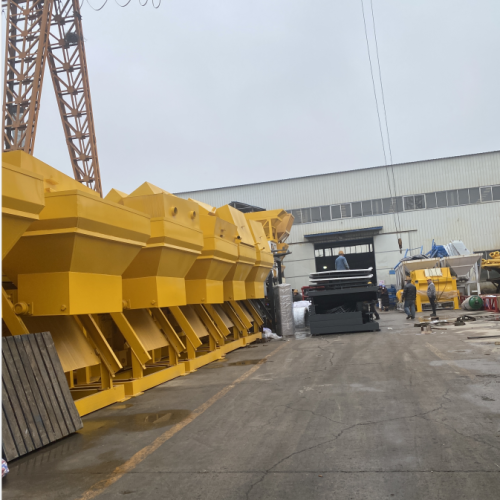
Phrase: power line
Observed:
(373, 83)
(381, 85)
(383, 104)
(380, 122)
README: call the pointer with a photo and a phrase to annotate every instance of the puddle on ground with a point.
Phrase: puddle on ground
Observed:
(119, 406)
(249, 362)
(138, 422)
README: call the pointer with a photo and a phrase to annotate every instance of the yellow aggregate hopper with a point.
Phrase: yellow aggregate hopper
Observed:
(205, 280)
(255, 281)
(22, 201)
(276, 223)
(156, 277)
(153, 336)
(67, 267)
(234, 283)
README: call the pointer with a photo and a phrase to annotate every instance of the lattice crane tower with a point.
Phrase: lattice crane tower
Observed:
(40, 30)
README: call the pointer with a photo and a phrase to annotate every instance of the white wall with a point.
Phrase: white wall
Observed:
(387, 254)
(300, 264)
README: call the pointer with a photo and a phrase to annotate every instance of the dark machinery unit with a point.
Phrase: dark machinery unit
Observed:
(342, 304)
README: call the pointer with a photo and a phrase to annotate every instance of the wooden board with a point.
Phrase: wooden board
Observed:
(37, 407)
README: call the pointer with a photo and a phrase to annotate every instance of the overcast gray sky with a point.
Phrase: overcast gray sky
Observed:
(210, 93)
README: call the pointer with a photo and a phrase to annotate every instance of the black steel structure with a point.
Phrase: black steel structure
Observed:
(342, 305)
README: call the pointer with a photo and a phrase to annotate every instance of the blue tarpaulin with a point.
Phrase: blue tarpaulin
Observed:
(437, 251)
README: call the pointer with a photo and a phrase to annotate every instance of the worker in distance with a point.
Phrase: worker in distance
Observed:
(341, 262)
(431, 293)
(409, 297)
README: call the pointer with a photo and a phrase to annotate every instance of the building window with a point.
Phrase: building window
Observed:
(336, 212)
(346, 210)
(387, 205)
(325, 212)
(398, 203)
(328, 252)
(409, 202)
(367, 208)
(496, 192)
(453, 198)
(318, 252)
(306, 215)
(316, 214)
(474, 195)
(377, 207)
(486, 194)
(297, 215)
(441, 199)
(430, 200)
(356, 209)
(463, 196)
(419, 201)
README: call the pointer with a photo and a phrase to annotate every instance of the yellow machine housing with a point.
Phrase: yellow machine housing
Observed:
(205, 280)
(277, 224)
(77, 250)
(67, 267)
(22, 201)
(156, 277)
(254, 284)
(234, 283)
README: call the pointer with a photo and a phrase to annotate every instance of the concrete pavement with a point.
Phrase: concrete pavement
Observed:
(392, 414)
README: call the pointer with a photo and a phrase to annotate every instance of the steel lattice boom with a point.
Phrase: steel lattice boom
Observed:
(49, 29)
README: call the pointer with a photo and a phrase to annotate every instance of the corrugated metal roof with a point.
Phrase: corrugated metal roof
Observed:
(359, 185)
(337, 173)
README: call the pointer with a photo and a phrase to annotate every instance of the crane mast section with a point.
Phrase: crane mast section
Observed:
(68, 69)
(27, 28)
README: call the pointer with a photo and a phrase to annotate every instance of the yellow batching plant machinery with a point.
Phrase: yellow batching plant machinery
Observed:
(67, 267)
(135, 289)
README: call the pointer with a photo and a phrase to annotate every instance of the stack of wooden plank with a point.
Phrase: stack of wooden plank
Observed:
(37, 407)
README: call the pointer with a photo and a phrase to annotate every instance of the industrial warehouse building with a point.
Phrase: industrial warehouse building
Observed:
(364, 212)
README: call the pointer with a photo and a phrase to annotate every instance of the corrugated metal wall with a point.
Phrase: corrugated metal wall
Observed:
(477, 225)
(357, 185)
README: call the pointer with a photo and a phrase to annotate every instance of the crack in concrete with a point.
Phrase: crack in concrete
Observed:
(474, 438)
(270, 469)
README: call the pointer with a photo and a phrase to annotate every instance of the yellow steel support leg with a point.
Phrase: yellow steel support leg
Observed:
(137, 367)
(223, 329)
(131, 337)
(240, 327)
(214, 332)
(186, 327)
(172, 337)
(83, 375)
(257, 320)
(12, 320)
(108, 357)
(70, 379)
(173, 357)
(241, 314)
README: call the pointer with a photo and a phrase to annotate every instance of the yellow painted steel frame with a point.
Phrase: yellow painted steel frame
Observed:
(81, 347)
(68, 265)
